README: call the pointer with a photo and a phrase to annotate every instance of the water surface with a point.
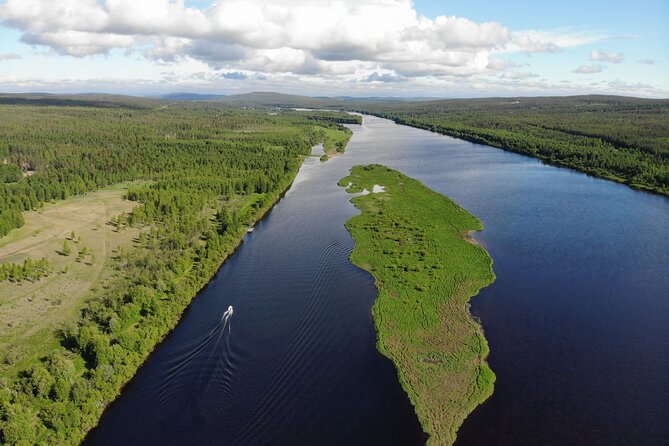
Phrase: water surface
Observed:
(577, 321)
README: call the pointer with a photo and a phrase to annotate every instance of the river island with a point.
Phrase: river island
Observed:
(415, 242)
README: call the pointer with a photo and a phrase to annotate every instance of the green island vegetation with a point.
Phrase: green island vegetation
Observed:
(331, 132)
(415, 243)
(334, 141)
(617, 138)
(134, 204)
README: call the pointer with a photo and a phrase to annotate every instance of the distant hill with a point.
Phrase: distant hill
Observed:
(271, 99)
(511, 105)
(185, 96)
(79, 100)
(256, 99)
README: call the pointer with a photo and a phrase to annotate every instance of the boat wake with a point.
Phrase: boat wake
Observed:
(207, 365)
(275, 395)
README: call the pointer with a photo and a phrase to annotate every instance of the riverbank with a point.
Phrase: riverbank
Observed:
(414, 242)
(595, 154)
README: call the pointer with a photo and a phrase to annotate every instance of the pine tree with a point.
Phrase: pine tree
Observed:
(67, 250)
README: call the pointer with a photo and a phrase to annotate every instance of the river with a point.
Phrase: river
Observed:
(577, 320)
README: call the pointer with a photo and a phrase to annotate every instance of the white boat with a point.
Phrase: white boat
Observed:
(227, 315)
(249, 230)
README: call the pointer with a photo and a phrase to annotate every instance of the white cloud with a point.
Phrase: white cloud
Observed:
(385, 77)
(647, 61)
(556, 41)
(79, 43)
(600, 56)
(236, 75)
(635, 89)
(319, 46)
(455, 33)
(345, 39)
(208, 82)
(9, 56)
(589, 69)
(519, 75)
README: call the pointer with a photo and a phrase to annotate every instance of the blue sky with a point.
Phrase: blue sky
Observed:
(350, 47)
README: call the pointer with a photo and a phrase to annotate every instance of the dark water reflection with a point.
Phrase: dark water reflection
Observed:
(577, 321)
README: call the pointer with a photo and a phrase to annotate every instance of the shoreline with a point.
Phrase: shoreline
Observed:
(545, 160)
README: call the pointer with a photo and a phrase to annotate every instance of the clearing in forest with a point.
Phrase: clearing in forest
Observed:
(29, 311)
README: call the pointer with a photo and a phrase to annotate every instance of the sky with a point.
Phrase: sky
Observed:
(397, 48)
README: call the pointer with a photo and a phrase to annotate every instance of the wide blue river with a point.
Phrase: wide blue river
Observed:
(577, 320)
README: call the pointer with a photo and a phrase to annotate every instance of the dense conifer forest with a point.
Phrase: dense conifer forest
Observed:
(204, 174)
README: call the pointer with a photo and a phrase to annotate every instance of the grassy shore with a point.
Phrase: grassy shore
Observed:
(415, 243)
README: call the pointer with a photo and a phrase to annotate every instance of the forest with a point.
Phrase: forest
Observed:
(206, 173)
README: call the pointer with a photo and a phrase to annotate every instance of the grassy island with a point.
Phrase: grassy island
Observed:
(329, 129)
(335, 141)
(415, 243)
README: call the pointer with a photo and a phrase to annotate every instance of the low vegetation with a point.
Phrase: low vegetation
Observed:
(415, 243)
(332, 133)
(333, 117)
(200, 175)
(31, 270)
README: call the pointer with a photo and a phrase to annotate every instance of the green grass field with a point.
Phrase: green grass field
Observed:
(30, 311)
(415, 243)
